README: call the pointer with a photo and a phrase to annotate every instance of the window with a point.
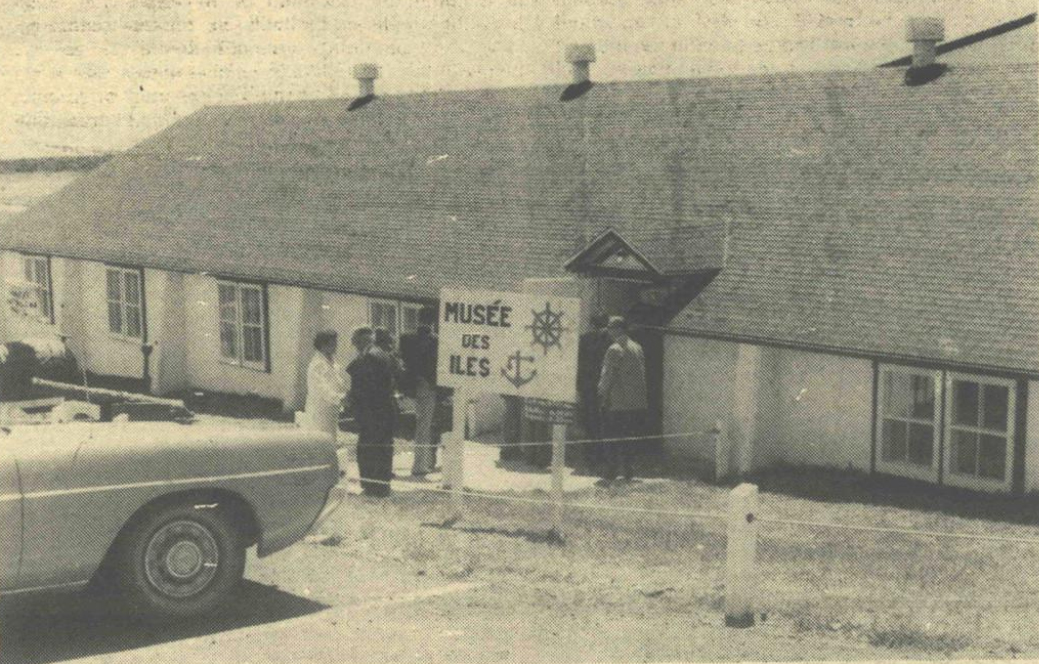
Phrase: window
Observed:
(980, 421)
(410, 314)
(243, 327)
(124, 302)
(907, 422)
(384, 314)
(38, 273)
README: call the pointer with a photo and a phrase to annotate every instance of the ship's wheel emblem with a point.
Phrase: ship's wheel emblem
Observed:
(547, 329)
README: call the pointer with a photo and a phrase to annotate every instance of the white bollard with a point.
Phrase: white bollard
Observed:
(456, 452)
(558, 468)
(740, 550)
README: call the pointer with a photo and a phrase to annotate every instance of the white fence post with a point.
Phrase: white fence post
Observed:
(740, 551)
(456, 451)
(558, 468)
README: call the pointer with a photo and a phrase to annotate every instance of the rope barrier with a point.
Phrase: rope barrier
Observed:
(535, 501)
(587, 441)
(899, 531)
(713, 515)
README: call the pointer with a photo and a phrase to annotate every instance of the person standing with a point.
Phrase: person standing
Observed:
(622, 394)
(591, 350)
(372, 395)
(419, 352)
(325, 385)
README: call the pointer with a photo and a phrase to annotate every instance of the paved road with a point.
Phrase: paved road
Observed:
(299, 600)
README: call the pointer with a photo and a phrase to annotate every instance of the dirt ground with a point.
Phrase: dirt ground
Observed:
(389, 580)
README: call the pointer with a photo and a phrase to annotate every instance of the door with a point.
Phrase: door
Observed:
(646, 322)
(10, 521)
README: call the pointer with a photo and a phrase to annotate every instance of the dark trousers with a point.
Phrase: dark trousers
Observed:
(375, 453)
(620, 455)
(591, 421)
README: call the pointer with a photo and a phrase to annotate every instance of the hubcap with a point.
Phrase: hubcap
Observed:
(181, 559)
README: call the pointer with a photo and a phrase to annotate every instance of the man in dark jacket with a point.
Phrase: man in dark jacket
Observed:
(372, 394)
(419, 353)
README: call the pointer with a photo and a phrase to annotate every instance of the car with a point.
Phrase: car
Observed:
(163, 512)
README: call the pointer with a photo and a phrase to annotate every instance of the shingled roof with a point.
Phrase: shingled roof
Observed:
(862, 214)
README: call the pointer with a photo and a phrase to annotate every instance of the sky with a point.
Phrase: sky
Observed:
(87, 76)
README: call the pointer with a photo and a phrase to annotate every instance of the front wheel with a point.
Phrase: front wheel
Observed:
(181, 561)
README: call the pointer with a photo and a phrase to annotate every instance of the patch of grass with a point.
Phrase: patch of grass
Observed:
(905, 635)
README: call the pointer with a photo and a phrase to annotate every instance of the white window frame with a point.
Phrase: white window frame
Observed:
(406, 307)
(31, 268)
(239, 323)
(905, 468)
(123, 302)
(973, 481)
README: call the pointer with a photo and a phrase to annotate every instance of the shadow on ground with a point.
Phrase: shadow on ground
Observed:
(40, 630)
(845, 486)
(534, 536)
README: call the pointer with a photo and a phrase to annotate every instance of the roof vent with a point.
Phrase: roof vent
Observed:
(924, 33)
(365, 73)
(580, 57)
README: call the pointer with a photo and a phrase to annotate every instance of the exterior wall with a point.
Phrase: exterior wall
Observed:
(164, 299)
(208, 371)
(699, 381)
(776, 405)
(107, 353)
(16, 326)
(1032, 439)
(825, 410)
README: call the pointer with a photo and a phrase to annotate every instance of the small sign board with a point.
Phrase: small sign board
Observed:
(543, 410)
(516, 344)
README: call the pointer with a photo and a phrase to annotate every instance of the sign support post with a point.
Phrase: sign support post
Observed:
(456, 456)
(558, 468)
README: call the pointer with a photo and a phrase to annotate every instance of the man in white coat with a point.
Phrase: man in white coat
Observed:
(325, 385)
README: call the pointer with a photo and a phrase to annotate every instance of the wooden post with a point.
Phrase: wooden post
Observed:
(558, 467)
(456, 451)
(740, 551)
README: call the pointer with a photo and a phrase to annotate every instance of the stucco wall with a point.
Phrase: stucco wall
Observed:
(824, 407)
(792, 406)
(206, 369)
(698, 388)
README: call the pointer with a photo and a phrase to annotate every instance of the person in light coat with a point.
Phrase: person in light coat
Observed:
(325, 385)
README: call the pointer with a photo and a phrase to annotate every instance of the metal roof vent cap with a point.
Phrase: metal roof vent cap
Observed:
(924, 33)
(366, 73)
(580, 57)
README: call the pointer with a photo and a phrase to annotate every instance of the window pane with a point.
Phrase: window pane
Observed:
(115, 318)
(228, 340)
(965, 402)
(410, 319)
(893, 444)
(992, 457)
(921, 444)
(45, 302)
(115, 291)
(252, 338)
(923, 397)
(228, 304)
(28, 270)
(132, 318)
(964, 452)
(252, 306)
(997, 401)
(133, 289)
(908, 396)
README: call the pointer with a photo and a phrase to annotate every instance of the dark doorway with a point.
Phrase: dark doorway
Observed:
(646, 323)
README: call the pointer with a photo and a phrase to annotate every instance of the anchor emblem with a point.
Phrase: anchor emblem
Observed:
(515, 366)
